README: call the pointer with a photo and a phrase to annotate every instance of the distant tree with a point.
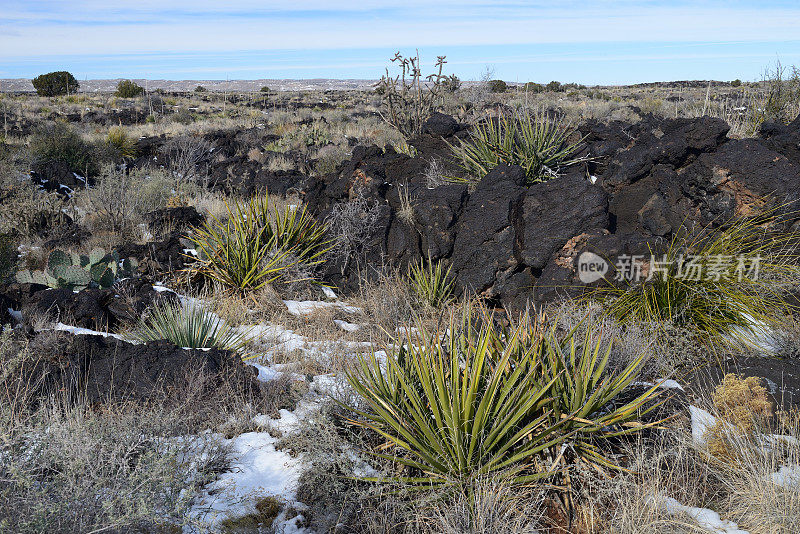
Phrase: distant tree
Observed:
(265, 89)
(533, 87)
(129, 89)
(554, 86)
(736, 83)
(55, 83)
(200, 89)
(497, 86)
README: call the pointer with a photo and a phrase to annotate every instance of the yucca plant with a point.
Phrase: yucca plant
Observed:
(432, 284)
(521, 402)
(585, 391)
(242, 253)
(734, 304)
(119, 140)
(539, 144)
(296, 229)
(189, 326)
(460, 403)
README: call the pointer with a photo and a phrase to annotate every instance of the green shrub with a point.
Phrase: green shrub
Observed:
(736, 83)
(129, 89)
(255, 247)
(55, 83)
(533, 87)
(60, 143)
(532, 140)
(472, 400)
(554, 86)
(265, 89)
(190, 326)
(121, 143)
(732, 305)
(200, 89)
(432, 285)
(497, 86)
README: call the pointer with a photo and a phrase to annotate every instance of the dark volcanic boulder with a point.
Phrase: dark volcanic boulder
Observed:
(484, 243)
(98, 368)
(731, 180)
(561, 278)
(178, 218)
(96, 309)
(783, 138)
(552, 212)
(165, 255)
(436, 212)
(673, 142)
(441, 125)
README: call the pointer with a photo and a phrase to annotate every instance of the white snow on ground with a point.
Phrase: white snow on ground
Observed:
(707, 519)
(77, 330)
(757, 335)
(347, 327)
(301, 308)
(787, 476)
(258, 471)
(329, 292)
(701, 422)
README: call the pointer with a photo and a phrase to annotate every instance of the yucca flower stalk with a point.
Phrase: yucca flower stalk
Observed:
(189, 326)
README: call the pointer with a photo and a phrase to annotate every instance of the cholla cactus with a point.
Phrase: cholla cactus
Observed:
(409, 98)
(78, 271)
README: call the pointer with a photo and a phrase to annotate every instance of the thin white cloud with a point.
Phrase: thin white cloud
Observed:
(142, 26)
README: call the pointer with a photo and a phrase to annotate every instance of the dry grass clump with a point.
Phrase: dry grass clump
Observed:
(633, 501)
(763, 487)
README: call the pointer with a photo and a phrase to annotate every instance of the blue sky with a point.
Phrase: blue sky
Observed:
(592, 42)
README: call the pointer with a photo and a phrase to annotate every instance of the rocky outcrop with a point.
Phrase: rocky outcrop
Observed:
(99, 369)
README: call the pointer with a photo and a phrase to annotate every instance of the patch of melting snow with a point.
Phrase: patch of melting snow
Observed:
(701, 422)
(307, 307)
(757, 335)
(707, 519)
(347, 327)
(329, 292)
(77, 330)
(787, 476)
(259, 470)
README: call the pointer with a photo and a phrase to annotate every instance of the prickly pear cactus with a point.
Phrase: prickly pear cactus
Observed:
(77, 271)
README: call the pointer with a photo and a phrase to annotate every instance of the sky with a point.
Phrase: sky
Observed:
(601, 42)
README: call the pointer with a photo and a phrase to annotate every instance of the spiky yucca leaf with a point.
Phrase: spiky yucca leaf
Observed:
(585, 391)
(189, 326)
(732, 308)
(460, 403)
(297, 230)
(241, 252)
(432, 284)
(539, 144)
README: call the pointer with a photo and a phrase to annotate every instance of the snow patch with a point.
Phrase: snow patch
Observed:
(307, 307)
(707, 519)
